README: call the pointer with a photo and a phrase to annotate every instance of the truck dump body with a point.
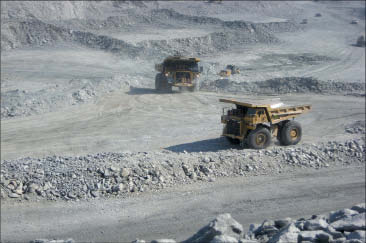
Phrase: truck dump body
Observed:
(257, 121)
(280, 114)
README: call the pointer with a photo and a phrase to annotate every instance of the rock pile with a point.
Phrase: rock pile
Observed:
(15, 103)
(30, 31)
(346, 225)
(342, 226)
(357, 127)
(222, 229)
(118, 174)
(286, 85)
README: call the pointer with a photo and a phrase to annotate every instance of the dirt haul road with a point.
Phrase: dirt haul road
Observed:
(179, 213)
(71, 86)
(145, 120)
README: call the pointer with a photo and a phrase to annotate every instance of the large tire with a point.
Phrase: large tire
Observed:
(168, 87)
(279, 133)
(259, 138)
(161, 83)
(165, 86)
(158, 81)
(280, 126)
(233, 140)
(291, 133)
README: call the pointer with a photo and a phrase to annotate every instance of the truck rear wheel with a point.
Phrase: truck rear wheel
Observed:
(259, 138)
(291, 133)
(279, 131)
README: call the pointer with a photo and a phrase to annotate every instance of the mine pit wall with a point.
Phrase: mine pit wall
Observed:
(34, 32)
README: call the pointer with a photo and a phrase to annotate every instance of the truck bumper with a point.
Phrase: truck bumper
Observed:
(182, 84)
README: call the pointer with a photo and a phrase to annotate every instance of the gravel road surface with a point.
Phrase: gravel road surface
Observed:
(146, 120)
(78, 106)
(180, 212)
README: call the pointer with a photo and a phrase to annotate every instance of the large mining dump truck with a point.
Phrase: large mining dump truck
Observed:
(177, 71)
(254, 124)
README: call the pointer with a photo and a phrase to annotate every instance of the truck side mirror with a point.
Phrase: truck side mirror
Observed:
(201, 69)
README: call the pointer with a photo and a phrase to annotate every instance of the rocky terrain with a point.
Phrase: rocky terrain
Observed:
(115, 174)
(82, 126)
(286, 85)
(346, 225)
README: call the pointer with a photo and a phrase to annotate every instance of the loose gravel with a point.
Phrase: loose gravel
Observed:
(357, 127)
(346, 225)
(118, 174)
(286, 85)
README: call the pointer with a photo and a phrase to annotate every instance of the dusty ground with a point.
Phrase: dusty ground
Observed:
(142, 120)
(77, 79)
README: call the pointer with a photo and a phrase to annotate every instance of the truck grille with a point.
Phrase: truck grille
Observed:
(233, 127)
(183, 77)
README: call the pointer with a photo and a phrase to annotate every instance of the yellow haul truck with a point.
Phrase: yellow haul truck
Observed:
(254, 124)
(177, 71)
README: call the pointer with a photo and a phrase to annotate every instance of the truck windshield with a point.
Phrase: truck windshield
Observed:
(251, 111)
(187, 66)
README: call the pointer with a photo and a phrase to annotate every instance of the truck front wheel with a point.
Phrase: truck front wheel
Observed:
(291, 133)
(259, 138)
(158, 79)
(161, 83)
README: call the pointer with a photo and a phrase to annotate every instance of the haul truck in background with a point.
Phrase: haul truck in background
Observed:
(178, 71)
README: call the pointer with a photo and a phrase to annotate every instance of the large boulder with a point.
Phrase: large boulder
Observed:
(334, 233)
(361, 208)
(253, 228)
(316, 224)
(280, 223)
(267, 228)
(314, 236)
(352, 241)
(357, 235)
(224, 224)
(340, 214)
(224, 239)
(340, 240)
(350, 223)
(287, 234)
